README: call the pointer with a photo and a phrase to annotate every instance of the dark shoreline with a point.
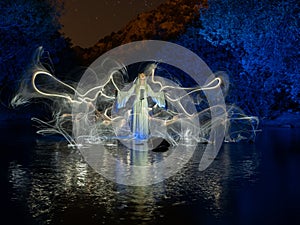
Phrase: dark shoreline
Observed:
(283, 120)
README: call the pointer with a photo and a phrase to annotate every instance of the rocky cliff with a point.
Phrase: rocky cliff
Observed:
(163, 23)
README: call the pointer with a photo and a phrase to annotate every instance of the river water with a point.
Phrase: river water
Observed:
(45, 182)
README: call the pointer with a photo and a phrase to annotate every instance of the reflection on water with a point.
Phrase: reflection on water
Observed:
(54, 185)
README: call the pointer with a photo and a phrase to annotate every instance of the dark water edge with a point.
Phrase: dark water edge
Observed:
(44, 182)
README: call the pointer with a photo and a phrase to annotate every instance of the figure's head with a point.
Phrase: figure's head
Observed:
(142, 76)
(146, 68)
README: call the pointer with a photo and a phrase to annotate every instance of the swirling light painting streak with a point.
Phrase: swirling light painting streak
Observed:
(83, 99)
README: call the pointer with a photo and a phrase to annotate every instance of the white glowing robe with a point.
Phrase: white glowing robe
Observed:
(140, 110)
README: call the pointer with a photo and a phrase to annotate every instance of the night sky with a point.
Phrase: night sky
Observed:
(86, 21)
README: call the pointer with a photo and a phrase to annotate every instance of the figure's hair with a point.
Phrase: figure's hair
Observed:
(146, 68)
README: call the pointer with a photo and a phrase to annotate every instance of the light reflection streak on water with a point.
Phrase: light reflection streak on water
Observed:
(58, 179)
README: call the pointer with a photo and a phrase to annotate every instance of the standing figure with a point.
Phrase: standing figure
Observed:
(140, 111)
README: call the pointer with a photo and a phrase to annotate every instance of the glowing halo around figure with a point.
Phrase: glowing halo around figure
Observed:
(99, 81)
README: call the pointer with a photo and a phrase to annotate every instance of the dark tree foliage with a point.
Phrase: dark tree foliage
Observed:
(257, 43)
(24, 26)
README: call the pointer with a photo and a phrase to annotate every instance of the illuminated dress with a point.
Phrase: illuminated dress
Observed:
(140, 110)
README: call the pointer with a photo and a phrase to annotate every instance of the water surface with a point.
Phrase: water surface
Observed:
(45, 182)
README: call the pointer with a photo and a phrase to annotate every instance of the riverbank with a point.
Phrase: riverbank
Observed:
(284, 120)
